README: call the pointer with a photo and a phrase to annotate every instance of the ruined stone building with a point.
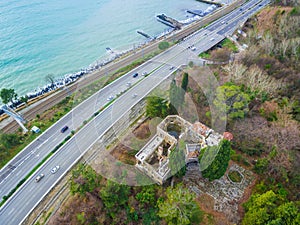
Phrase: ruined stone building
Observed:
(153, 158)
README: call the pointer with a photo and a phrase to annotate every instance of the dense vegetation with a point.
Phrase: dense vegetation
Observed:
(115, 203)
(260, 92)
(268, 71)
(7, 95)
(214, 160)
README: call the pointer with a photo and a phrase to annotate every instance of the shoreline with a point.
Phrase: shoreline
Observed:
(62, 82)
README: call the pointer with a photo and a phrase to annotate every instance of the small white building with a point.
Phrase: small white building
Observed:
(35, 129)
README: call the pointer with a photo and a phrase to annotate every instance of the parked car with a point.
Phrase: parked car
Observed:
(54, 169)
(39, 177)
(63, 130)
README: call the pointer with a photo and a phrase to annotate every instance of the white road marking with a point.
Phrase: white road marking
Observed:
(13, 209)
(18, 173)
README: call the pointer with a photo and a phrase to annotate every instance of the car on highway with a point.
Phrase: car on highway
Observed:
(171, 68)
(135, 75)
(54, 169)
(145, 74)
(212, 39)
(193, 48)
(63, 130)
(134, 95)
(110, 98)
(39, 177)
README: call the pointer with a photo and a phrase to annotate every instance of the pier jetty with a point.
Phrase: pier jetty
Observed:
(169, 21)
(196, 12)
(143, 34)
(211, 2)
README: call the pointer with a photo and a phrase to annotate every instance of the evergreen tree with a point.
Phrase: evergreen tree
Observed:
(84, 179)
(231, 99)
(7, 95)
(176, 95)
(185, 81)
(180, 207)
(177, 160)
(214, 161)
(114, 196)
(156, 107)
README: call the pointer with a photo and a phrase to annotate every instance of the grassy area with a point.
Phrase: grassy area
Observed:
(205, 55)
(229, 44)
(235, 176)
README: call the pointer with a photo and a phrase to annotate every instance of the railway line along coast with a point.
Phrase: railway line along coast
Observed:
(8, 125)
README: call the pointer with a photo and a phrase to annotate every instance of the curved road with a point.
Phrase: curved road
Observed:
(28, 196)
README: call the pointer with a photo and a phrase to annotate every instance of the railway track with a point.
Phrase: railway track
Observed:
(114, 66)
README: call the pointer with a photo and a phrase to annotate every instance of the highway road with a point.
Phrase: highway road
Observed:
(25, 199)
(18, 167)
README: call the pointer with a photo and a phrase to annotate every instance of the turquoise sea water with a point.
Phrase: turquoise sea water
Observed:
(40, 37)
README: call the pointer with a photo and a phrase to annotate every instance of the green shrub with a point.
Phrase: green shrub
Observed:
(235, 176)
(163, 45)
(261, 165)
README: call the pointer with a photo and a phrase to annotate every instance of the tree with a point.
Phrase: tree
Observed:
(163, 45)
(24, 99)
(7, 95)
(177, 160)
(214, 161)
(179, 207)
(267, 208)
(84, 179)
(9, 140)
(176, 95)
(232, 99)
(185, 81)
(50, 78)
(114, 196)
(156, 107)
(147, 195)
(221, 55)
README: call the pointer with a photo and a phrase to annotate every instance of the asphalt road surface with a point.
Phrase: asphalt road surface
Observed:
(28, 196)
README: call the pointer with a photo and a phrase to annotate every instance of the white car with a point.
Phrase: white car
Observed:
(193, 48)
(145, 73)
(39, 177)
(110, 98)
(54, 169)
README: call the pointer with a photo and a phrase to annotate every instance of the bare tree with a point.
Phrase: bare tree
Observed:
(236, 71)
(253, 77)
(50, 79)
(267, 43)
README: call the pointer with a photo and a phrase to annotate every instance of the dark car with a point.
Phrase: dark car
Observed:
(64, 129)
(135, 75)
